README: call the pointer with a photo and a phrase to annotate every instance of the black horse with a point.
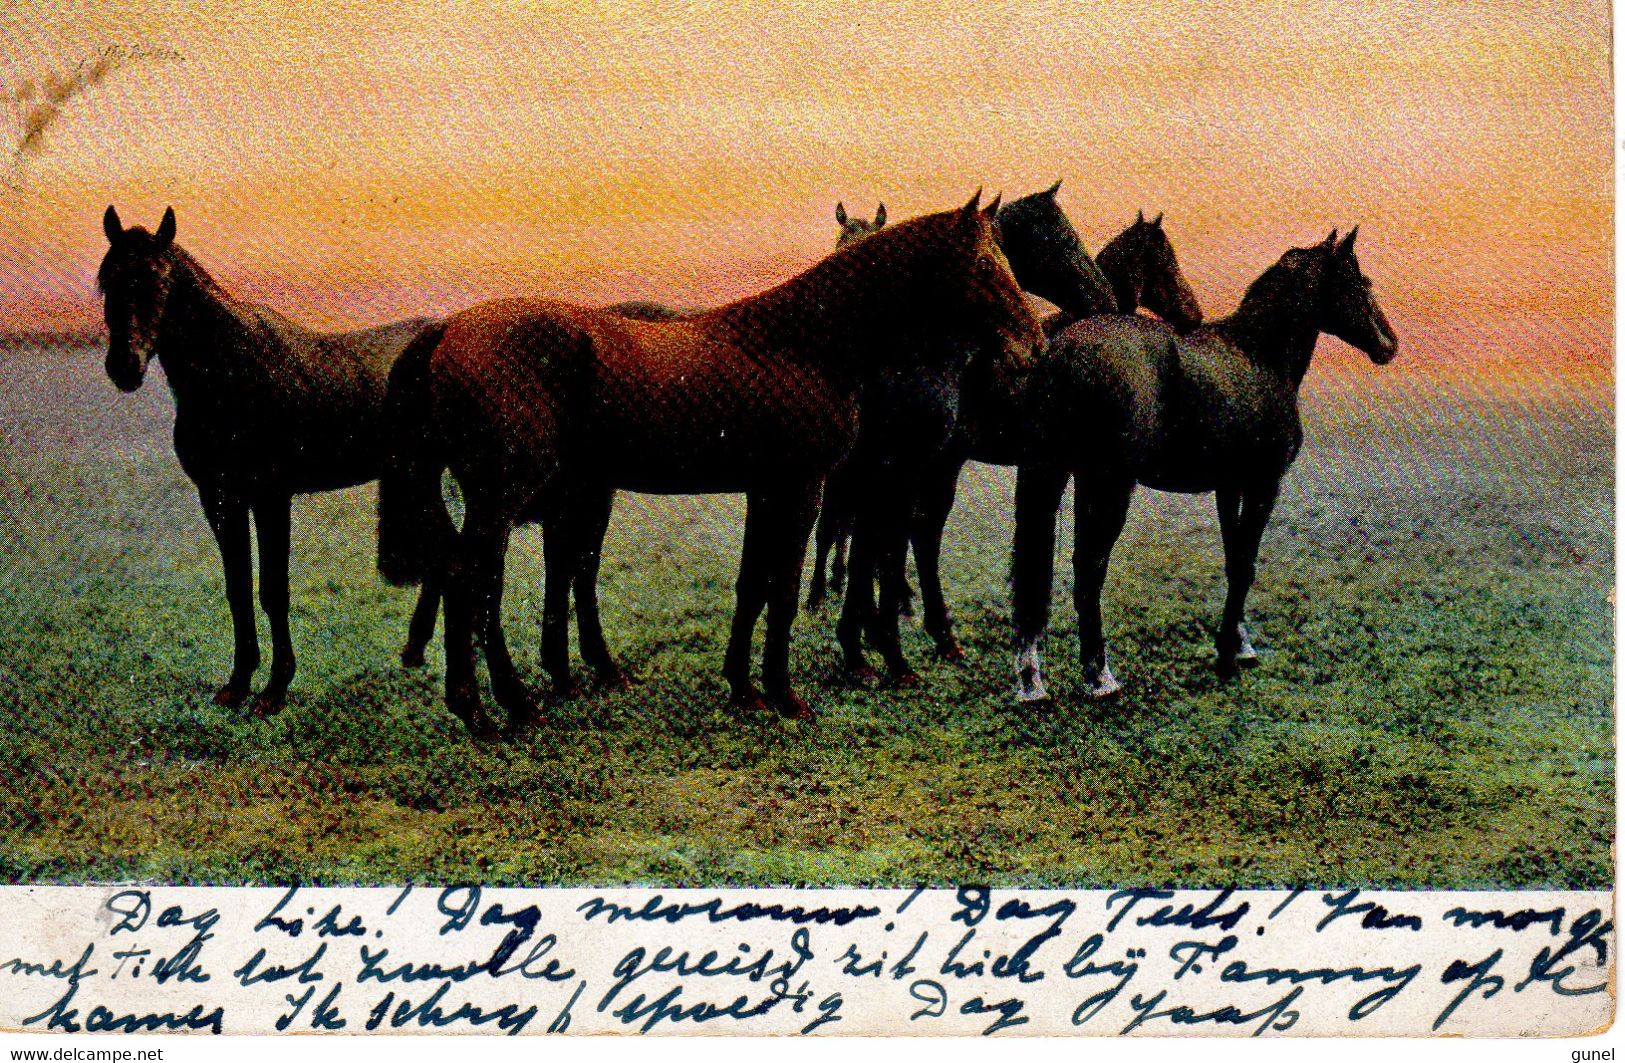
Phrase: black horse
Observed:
(1141, 269)
(264, 409)
(1129, 401)
(908, 427)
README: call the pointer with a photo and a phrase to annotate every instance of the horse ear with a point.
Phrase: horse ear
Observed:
(880, 216)
(1330, 243)
(1347, 246)
(992, 208)
(111, 225)
(1156, 222)
(840, 213)
(1054, 188)
(967, 213)
(166, 229)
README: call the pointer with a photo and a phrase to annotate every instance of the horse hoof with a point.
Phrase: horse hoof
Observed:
(949, 649)
(519, 706)
(566, 689)
(612, 680)
(412, 657)
(230, 696)
(1033, 697)
(267, 705)
(1227, 669)
(862, 674)
(748, 702)
(906, 679)
(793, 706)
(1104, 688)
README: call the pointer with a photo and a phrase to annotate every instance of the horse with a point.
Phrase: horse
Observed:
(542, 410)
(835, 511)
(1131, 402)
(1139, 268)
(264, 409)
(909, 425)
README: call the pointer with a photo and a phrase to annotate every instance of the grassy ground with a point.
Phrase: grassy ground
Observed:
(1435, 706)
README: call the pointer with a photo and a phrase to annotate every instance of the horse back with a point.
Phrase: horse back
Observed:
(1109, 384)
(502, 379)
(295, 411)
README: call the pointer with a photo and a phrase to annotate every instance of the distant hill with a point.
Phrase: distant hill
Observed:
(86, 337)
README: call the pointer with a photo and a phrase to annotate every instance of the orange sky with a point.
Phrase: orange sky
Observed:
(353, 162)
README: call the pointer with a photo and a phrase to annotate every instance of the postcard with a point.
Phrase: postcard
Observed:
(1017, 520)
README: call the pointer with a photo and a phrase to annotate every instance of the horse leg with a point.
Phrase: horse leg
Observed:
(894, 586)
(273, 518)
(750, 593)
(1242, 519)
(1101, 508)
(837, 568)
(930, 517)
(893, 509)
(786, 536)
(1032, 571)
(228, 519)
(828, 533)
(561, 557)
(466, 590)
(421, 629)
(506, 686)
(858, 608)
(595, 511)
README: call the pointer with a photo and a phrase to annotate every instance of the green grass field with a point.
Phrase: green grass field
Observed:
(1434, 708)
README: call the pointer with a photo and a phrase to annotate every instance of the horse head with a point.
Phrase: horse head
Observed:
(135, 279)
(857, 228)
(1145, 272)
(1047, 255)
(987, 299)
(1348, 308)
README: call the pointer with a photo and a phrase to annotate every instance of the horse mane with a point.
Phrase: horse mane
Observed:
(899, 246)
(189, 266)
(1273, 325)
(1115, 261)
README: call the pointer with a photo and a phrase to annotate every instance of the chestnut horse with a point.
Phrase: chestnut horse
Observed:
(1129, 401)
(264, 409)
(542, 410)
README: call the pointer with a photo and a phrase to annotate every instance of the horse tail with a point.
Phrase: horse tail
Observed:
(413, 525)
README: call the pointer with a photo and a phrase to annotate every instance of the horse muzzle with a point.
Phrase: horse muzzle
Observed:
(126, 369)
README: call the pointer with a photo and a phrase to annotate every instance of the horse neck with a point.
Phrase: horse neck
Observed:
(201, 332)
(1125, 270)
(834, 313)
(1275, 326)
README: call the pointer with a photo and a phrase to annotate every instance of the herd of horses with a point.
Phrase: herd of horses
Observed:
(849, 396)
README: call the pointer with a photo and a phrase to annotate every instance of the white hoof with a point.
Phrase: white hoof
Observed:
(1101, 683)
(1030, 675)
(1246, 655)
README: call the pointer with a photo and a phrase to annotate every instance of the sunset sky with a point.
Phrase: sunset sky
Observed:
(349, 163)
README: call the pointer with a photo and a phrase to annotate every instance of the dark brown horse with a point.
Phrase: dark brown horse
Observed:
(910, 427)
(1129, 401)
(542, 410)
(835, 512)
(1142, 270)
(264, 409)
